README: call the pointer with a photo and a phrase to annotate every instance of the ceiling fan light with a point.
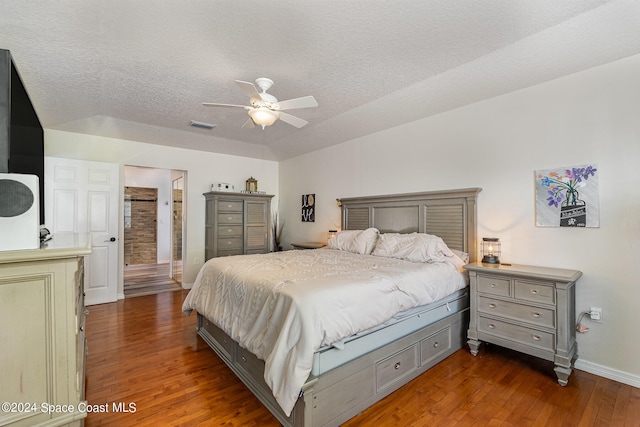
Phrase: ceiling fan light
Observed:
(263, 116)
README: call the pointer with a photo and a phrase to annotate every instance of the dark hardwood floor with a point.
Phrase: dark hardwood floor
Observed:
(144, 351)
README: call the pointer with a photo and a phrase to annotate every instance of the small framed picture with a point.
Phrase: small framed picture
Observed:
(308, 208)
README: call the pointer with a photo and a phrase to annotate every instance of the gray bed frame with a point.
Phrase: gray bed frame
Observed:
(333, 397)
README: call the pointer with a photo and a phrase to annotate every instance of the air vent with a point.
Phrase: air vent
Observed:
(201, 125)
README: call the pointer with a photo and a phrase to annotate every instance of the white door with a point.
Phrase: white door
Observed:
(83, 197)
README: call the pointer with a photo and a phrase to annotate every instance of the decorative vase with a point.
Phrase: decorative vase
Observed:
(573, 212)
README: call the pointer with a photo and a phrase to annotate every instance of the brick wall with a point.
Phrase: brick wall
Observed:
(141, 229)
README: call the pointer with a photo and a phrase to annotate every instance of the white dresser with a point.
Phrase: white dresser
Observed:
(42, 315)
(525, 308)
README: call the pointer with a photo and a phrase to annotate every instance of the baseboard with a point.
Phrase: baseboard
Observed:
(607, 372)
(120, 296)
(187, 285)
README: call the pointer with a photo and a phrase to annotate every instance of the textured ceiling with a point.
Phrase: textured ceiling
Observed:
(139, 70)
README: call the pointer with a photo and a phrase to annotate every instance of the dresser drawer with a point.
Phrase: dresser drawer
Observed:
(435, 345)
(520, 334)
(230, 206)
(517, 311)
(229, 230)
(494, 286)
(222, 253)
(229, 218)
(396, 367)
(535, 292)
(230, 244)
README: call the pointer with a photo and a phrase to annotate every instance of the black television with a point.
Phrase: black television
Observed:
(21, 134)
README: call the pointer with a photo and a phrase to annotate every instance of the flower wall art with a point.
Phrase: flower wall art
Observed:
(568, 197)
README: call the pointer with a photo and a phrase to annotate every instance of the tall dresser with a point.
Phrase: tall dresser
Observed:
(237, 223)
(42, 334)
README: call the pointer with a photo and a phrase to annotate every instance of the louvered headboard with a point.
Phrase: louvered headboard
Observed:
(450, 214)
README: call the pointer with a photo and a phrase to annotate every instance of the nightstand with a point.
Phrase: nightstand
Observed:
(527, 309)
(308, 245)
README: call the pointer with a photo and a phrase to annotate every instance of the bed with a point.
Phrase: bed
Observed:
(313, 369)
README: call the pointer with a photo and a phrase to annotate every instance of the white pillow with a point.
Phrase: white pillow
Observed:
(462, 255)
(414, 247)
(357, 241)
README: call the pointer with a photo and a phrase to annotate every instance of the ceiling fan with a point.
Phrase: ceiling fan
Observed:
(265, 108)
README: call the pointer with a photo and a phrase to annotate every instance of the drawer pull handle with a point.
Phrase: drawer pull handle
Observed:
(536, 337)
(536, 315)
(534, 291)
(244, 359)
(436, 345)
(397, 365)
(492, 326)
(224, 340)
(493, 285)
(492, 305)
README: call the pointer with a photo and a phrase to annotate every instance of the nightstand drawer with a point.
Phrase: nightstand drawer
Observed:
(534, 315)
(521, 334)
(494, 286)
(535, 292)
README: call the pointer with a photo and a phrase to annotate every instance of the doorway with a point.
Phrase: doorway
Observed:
(153, 227)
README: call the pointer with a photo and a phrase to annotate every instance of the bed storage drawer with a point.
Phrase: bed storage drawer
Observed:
(249, 363)
(435, 345)
(225, 343)
(396, 367)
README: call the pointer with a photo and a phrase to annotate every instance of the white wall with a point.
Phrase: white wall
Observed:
(202, 169)
(589, 117)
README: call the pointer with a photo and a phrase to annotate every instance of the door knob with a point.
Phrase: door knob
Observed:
(112, 239)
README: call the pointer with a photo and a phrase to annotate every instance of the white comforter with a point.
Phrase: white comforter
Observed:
(284, 306)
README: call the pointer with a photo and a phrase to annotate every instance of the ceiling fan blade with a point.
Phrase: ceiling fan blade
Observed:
(292, 120)
(304, 102)
(250, 90)
(215, 104)
(248, 124)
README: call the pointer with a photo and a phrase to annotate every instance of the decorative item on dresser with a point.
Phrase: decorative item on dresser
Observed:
(42, 313)
(237, 223)
(527, 309)
(491, 250)
(251, 186)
